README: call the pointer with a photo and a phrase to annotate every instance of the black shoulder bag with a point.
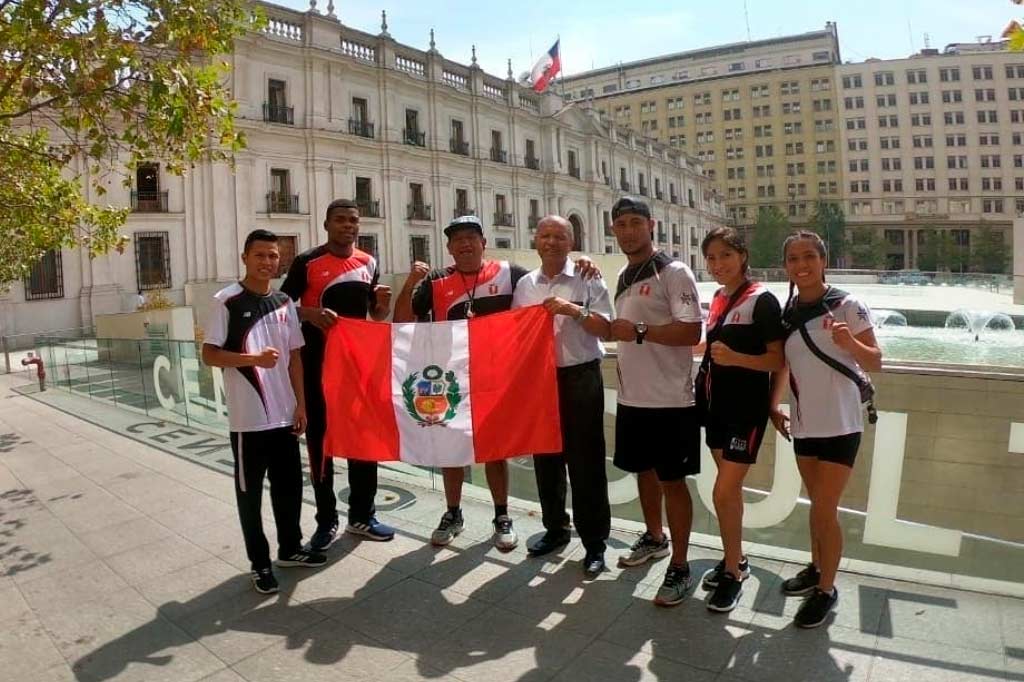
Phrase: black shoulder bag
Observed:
(701, 387)
(864, 385)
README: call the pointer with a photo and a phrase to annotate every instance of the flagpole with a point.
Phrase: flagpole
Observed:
(561, 71)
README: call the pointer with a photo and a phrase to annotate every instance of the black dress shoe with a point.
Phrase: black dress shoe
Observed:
(593, 564)
(548, 543)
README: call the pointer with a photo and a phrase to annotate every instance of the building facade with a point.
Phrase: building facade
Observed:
(414, 138)
(934, 144)
(761, 116)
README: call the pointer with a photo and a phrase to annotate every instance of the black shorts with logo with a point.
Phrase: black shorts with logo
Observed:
(738, 441)
(837, 449)
(665, 439)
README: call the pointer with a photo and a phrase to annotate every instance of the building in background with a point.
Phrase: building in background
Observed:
(933, 153)
(415, 138)
(762, 116)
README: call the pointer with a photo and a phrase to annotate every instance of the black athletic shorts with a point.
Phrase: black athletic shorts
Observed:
(837, 449)
(739, 442)
(665, 439)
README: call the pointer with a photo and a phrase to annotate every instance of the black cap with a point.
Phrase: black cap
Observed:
(466, 222)
(631, 205)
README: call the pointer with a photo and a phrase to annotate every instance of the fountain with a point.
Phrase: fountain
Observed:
(889, 318)
(977, 321)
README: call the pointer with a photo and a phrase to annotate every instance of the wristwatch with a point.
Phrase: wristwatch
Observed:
(584, 314)
(641, 331)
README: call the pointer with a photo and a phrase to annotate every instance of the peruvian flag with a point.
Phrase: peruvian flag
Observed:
(546, 68)
(445, 394)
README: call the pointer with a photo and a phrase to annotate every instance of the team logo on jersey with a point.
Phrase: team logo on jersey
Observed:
(493, 290)
(735, 317)
(282, 315)
(364, 275)
(644, 290)
(433, 399)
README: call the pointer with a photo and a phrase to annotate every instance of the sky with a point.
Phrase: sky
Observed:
(598, 33)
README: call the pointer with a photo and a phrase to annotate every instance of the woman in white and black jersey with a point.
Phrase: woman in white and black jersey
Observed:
(733, 390)
(826, 408)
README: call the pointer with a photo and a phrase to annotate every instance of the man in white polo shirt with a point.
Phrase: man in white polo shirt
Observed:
(582, 313)
(657, 434)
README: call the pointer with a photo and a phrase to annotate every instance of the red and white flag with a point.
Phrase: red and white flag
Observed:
(445, 394)
(546, 68)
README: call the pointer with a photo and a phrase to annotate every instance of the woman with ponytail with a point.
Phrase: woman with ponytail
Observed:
(830, 345)
(733, 388)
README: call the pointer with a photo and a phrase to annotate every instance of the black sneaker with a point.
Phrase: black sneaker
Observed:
(323, 537)
(815, 609)
(726, 595)
(803, 582)
(712, 577)
(302, 557)
(263, 581)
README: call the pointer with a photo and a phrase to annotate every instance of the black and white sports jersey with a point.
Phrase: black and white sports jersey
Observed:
(657, 292)
(241, 321)
(447, 294)
(737, 395)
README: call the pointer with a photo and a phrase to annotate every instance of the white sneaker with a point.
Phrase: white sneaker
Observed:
(505, 537)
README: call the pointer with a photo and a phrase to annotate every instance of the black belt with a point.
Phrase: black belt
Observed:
(582, 367)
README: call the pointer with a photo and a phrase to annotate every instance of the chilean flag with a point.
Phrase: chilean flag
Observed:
(546, 68)
(444, 394)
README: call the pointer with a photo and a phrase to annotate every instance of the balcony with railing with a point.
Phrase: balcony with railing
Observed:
(662, 237)
(420, 212)
(414, 138)
(149, 201)
(644, 192)
(499, 155)
(369, 208)
(460, 147)
(463, 211)
(574, 171)
(504, 219)
(674, 199)
(659, 195)
(278, 114)
(532, 162)
(357, 126)
(676, 239)
(278, 202)
(624, 185)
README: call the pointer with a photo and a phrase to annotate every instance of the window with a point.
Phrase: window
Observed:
(987, 206)
(981, 73)
(288, 246)
(280, 199)
(922, 141)
(984, 95)
(889, 142)
(757, 91)
(367, 243)
(461, 202)
(859, 166)
(924, 162)
(821, 56)
(919, 120)
(820, 105)
(1015, 94)
(956, 140)
(952, 96)
(789, 88)
(856, 124)
(892, 185)
(736, 66)
(46, 278)
(888, 121)
(988, 116)
(360, 110)
(791, 107)
(152, 260)
(892, 164)
(854, 81)
(1015, 71)
(147, 197)
(824, 146)
(988, 140)
(956, 162)
(819, 84)
(853, 102)
(885, 100)
(953, 118)
(885, 78)
(919, 98)
(419, 248)
(951, 75)
(917, 76)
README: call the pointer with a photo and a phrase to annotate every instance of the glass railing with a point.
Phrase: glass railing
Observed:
(938, 486)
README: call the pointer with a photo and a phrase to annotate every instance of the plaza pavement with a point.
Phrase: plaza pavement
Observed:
(120, 561)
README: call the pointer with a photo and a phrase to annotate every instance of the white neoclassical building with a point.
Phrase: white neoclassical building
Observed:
(415, 138)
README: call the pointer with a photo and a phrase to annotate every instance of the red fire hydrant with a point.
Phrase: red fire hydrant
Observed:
(40, 370)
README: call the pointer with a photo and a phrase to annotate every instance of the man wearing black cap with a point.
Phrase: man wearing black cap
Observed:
(472, 286)
(336, 279)
(657, 435)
